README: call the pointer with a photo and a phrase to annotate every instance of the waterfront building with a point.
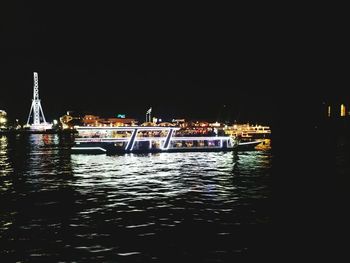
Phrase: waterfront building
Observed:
(180, 122)
(3, 119)
(69, 120)
(97, 121)
(336, 110)
(342, 110)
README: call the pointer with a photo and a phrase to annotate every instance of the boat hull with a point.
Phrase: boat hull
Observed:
(109, 148)
(139, 139)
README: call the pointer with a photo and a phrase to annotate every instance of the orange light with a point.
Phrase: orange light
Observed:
(342, 110)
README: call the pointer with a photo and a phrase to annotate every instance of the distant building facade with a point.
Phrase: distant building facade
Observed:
(97, 121)
(69, 120)
(342, 110)
(3, 119)
(337, 110)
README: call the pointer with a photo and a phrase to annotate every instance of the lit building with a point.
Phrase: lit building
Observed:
(3, 119)
(342, 110)
(97, 121)
(68, 121)
(91, 120)
(180, 122)
(336, 110)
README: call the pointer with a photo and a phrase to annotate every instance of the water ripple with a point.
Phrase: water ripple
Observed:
(129, 208)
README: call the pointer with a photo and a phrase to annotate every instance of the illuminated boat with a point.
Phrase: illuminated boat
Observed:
(141, 139)
(248, 145)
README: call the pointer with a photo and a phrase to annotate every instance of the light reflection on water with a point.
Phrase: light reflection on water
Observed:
(154, 175)
(135, 208)
(5, 165)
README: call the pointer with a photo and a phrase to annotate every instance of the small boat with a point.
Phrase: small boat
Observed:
(248, 146)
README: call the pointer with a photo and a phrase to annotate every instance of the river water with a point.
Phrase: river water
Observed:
(166, 207)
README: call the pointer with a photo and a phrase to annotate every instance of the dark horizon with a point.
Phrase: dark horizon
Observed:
(109, 91)
(170, 94)
(93, 58)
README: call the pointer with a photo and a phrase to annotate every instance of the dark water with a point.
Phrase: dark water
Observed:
(168, 207)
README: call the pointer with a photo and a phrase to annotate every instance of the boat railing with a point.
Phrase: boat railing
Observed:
(156, 137)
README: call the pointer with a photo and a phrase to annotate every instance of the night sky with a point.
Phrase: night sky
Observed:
(185, 62)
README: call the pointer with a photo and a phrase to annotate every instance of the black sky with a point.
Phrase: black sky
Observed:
(184, 61)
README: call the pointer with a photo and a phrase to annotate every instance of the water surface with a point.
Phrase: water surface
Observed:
(166, 207)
